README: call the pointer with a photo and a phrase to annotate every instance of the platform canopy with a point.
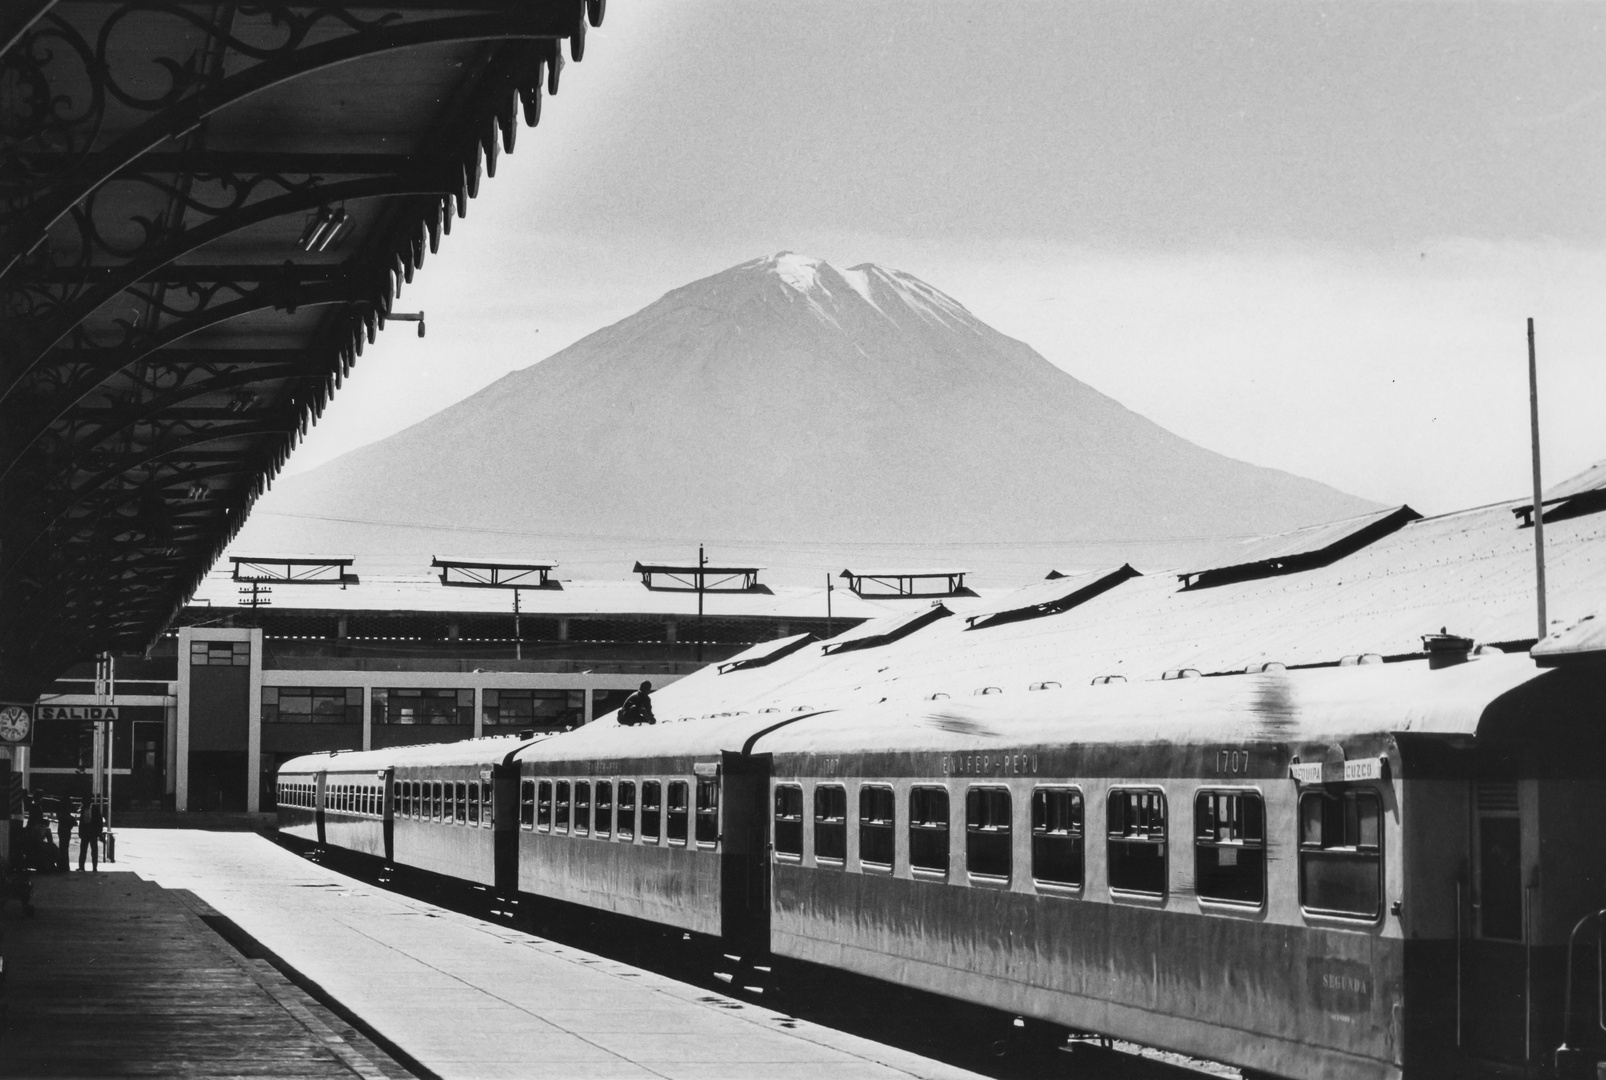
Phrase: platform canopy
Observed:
(206, 212)
(690, 577)
(915, 584)
(469, 572)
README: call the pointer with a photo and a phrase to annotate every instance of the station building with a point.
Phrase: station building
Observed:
(271, 659)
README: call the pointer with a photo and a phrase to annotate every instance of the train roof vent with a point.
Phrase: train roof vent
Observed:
(1106, 680)
(1181, 673)
(1300, 549)
(989, 690)
(938, 696)
(1060, 592)
(1044, 686)
(802, 708)
(1265, 667)
(1360, 659)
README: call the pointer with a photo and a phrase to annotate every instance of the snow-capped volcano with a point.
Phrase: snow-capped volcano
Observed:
(786, 400)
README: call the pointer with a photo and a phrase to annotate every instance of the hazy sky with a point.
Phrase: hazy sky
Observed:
(1303, 235)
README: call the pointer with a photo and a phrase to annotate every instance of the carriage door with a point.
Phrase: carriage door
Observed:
(1497, 976)
(387, 803)
(745, 852)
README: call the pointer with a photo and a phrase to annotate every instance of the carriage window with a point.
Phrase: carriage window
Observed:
(1057, 836)
(474, 803)
(1136, 841)
(603, 825)
(417, 799)
(462, 803)
(527, 804)
(677, 811)
(627, 810)
(582, 807)
(1229, 847)
(987, 832)
(543, 807)
(788, 821)
(1341, 853)
(487, 805)
(560, 808)
(875, 825)
(651, 810)
(928, 829)
(707, 813)
(448, 803)
(830, 822)
(396, 798)
(437, 807)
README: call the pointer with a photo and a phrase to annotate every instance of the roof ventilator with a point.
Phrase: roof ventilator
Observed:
(1361, 659)
(1044, 686)
(1181, 673)
(938, 696)
(1105, 680)
(1445, 649)
(989, 690)
(1265, 668)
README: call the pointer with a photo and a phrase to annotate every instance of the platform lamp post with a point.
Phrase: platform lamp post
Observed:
(105, 691)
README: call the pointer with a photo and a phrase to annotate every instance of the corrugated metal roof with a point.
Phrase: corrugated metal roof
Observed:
(484, 751)
(570, 598)
(1470, 573)
(1312, 544)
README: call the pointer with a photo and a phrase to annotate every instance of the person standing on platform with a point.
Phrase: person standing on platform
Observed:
(637, 708)
(94, 826)
(65, 824)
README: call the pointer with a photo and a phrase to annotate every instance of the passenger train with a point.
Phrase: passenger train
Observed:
(1377, 871)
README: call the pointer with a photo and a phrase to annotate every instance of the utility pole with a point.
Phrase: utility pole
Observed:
(828, 587)
(518, 636)
(702, 561)
(256, 595)
(1539, 509)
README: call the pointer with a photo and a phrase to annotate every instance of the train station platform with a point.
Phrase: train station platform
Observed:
(128, 973)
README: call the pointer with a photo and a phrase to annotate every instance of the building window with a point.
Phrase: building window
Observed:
(543, 807)
(830, 823)
(1136, 841)
(582, 808)
(652, 808)
(627, 810)
(707, 812)
(1229, 847)
(928, 829)
(311, 705)
(603, 825)
(788, 821)
(220, 654)
(416, 706)
(1057, 836)
(678, 811)
(560, 808)
(988, 832)
(876, 810)
(537, 710)
(527, 804)
(1341, 853)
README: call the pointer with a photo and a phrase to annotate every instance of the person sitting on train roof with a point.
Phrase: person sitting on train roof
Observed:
(637, 708)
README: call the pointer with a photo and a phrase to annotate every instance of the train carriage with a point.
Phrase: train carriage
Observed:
(1363, 871)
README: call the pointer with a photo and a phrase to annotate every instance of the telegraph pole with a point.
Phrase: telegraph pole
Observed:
(702, 561)
(518, 636)
(1539, 509)
(828, 588)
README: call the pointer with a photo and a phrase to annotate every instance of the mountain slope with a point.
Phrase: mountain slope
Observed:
(785, 399)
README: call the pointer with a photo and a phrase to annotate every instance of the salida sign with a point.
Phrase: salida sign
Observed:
(78, 712)
(16, 725)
